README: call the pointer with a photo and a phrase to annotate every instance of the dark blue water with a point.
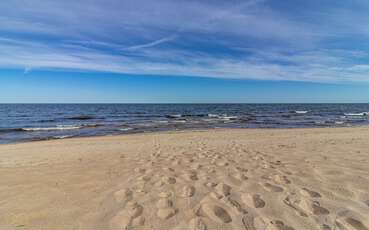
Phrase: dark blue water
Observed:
(27, 122)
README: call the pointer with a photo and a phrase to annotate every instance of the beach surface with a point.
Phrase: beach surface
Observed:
(251, 179)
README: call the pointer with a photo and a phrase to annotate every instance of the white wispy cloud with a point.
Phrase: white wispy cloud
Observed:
(251, 39)
(151, 44)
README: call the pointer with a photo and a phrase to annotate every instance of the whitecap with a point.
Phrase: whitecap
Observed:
(229, 118)
(174, 116)
(301, 111)
(357, 114)
(213, 115)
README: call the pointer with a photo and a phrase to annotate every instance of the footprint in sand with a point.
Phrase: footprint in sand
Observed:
(308, 192)
(350, 223)
(240, 176)
(123, 195)
(248, 223)
(303, 206)
(168, 180)
(348, 220)
(196, 166)
(129, 217)
(190, 175)
(165, 194)
(281, 179)
(215, 195)
(316, 208)
(272, 188)
(221, 163)
(253, 200)
(139, 187)
(159, 184)
(165, 207)
(294, 204)
(241, 169)
(232, 180)
(280, 225)
(256, 223)
(234, 204)
(223, 189)
(260, 223)
(216, 213)
(326, 227)
(210, 184)
(144, 178)
(197, 224)
(164, 203)
(187, 191)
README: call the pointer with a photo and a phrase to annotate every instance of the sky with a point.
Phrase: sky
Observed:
(165, 51)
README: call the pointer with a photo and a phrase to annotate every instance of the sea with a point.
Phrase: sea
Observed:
(33, 122)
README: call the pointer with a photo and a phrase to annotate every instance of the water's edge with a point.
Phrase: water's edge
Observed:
(32, 122)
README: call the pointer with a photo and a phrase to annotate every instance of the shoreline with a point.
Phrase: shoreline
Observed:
(314, 178)
(187, 130)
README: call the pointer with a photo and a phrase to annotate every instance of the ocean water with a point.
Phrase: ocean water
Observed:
(30, 122)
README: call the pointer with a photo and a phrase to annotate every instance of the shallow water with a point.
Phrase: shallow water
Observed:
(27, 122)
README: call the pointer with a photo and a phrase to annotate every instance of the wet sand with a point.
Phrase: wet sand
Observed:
(252, 179)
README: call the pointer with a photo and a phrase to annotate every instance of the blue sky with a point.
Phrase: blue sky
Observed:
(184, 51)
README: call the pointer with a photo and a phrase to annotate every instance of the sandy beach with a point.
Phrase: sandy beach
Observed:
(252, 179)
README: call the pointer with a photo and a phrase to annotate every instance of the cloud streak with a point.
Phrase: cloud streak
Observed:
(151, 44)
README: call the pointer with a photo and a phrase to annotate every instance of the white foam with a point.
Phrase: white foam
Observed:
(62, 137)
(357, 114)
(179, 121)
(163, 122)
(213, 115)
(301, 111)
(174, 116)
(59, 127)
(126, 129)
(228, 118)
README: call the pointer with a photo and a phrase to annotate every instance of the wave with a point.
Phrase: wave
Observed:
(59, 127)
(161, 122)
(125, 129)
(173, 116)
(229, 118)
(8, 130)
(195, 115)
(301, 111)
(61, 137)
(82, 117)
(213, 115)
(176, 116)
(91, 125)
(47, 120)
(357, 114)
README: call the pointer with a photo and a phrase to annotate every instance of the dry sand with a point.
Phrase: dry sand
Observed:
(216, 179)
